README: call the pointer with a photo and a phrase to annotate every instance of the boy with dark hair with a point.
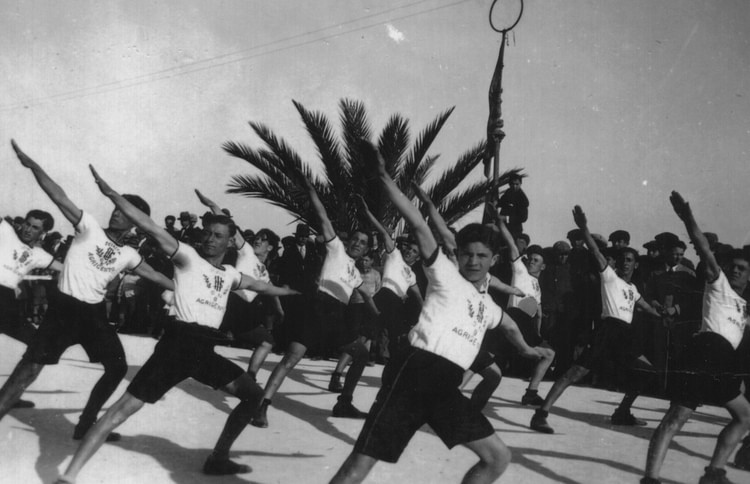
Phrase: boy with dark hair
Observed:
(421, 385)
(614, 339)
(711, 375)
(201, 288)
(77, 313)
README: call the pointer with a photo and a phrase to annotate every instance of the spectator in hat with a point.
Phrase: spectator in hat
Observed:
(169, 222)
(514, 205)
(619, 239)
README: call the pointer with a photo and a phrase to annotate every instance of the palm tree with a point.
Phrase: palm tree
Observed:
(281, 183)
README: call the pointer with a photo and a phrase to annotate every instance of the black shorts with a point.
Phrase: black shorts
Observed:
(69, 321)
(364, 322)
(246, 321)
(180, 354)
(526, 325)
(616, 341)
(710, 374)
(484, 360)
(327, 326)
(419, 388)
(12, 321)
(392, 319)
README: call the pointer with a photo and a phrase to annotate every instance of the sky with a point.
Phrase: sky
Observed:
(607, 104)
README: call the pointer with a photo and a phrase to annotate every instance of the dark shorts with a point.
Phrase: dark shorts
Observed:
(327, 326)
(392, 319)
(616, 341)
(484, 360)
(180, 354)
(12, 322)
(710, 374)
(69, 321)
(419, 388)
(246, 321)
(364, 322)
(526, 325)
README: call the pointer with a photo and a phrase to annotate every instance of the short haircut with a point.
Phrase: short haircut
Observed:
(619, 235)
(170, 217)
(270, 236)
(515, 177)
(734, 253)
(139, 203)
(221, 220)
(535, 249)
(361, 231)
(621, 252)
(476, 232)
(47, 221)
(524, 237)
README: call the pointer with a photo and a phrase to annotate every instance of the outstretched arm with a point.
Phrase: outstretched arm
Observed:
(437, 220)
(265, 288)
(387, 240)
(702, 247)
(422, 233)
(508, 239)
(147, 272)
(167, 243)
(326, 227)
(500, 286)
(239, 241)
(510, 329)
(580, 219)
(69, 209)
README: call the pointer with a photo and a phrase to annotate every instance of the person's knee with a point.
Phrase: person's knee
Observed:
(359, 353)
(575, 373)
(498, 459)
(116, 369)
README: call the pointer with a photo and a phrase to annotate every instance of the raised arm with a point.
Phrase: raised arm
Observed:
(387, 239)
(500, 286)
(422, 233)
(265, 288)
(580, 219)
(508, 239)
(239, 240)
(702, 247)
(147, 272)
(166, 242)
(326, 227)
(437, 220)
(69, 209)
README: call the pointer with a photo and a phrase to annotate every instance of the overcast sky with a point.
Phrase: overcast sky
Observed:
(607, 104)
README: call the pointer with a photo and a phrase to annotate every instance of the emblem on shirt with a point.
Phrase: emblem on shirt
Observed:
(103, 258)
(215, 284)
(478, 314)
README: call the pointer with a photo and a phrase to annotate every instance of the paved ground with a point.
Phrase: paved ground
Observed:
(168, 442)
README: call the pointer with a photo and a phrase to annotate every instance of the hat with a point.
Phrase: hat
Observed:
(248, 234)
(561, 247)
(575, 234)
(207, 215)
(712, 238)
(651, 245)
(193, 218)
(303, 230)
(226, 212)
(184, 215)
(619, 235)
(667, 240)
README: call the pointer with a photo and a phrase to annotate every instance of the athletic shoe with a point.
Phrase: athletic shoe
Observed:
(742, 457)
(215, 466)
(347, 410)
(23, 404)
(714, 476)
(622, 418)
(532, 398)
(260, 420)
(539, 422)
(335, 385)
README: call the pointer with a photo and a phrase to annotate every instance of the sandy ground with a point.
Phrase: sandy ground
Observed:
(168, 441)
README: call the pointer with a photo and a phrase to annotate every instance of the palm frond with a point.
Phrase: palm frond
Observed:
(451, 177)
(290, 160)
(456, 206)
(263, 160)
(319, 129)
(422, 144)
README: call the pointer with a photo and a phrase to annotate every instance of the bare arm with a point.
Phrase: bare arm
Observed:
(437, 220)
(683, 210)
(510, 329)
(414, 291)
(387, 240)
(580, 219)
(647, 308)
(326, 227)
(147, 272)
(500, 286)
(69, 209)
(422, 233)
(166, 242)
(265, 288)
(239, 241)
(56, 266)
(508, 238)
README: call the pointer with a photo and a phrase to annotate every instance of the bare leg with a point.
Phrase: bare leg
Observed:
(494, 458)
(574, 374)
(728, 439)
(343, 362)
(23, 375)
(491, 377)
(250, 395)
(114, 372)
(293, 355)
(259, 356)
(126, 406)
(354, 469)
(672, 422)
(548, 356)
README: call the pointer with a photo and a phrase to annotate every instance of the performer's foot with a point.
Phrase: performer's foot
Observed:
(539, 422)
(260, 419)
(23, 404)
(531, 397)
(627, 418)
(345, 409)
(80, 432)
(714, 476)
(216, 466)
(335, 385)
